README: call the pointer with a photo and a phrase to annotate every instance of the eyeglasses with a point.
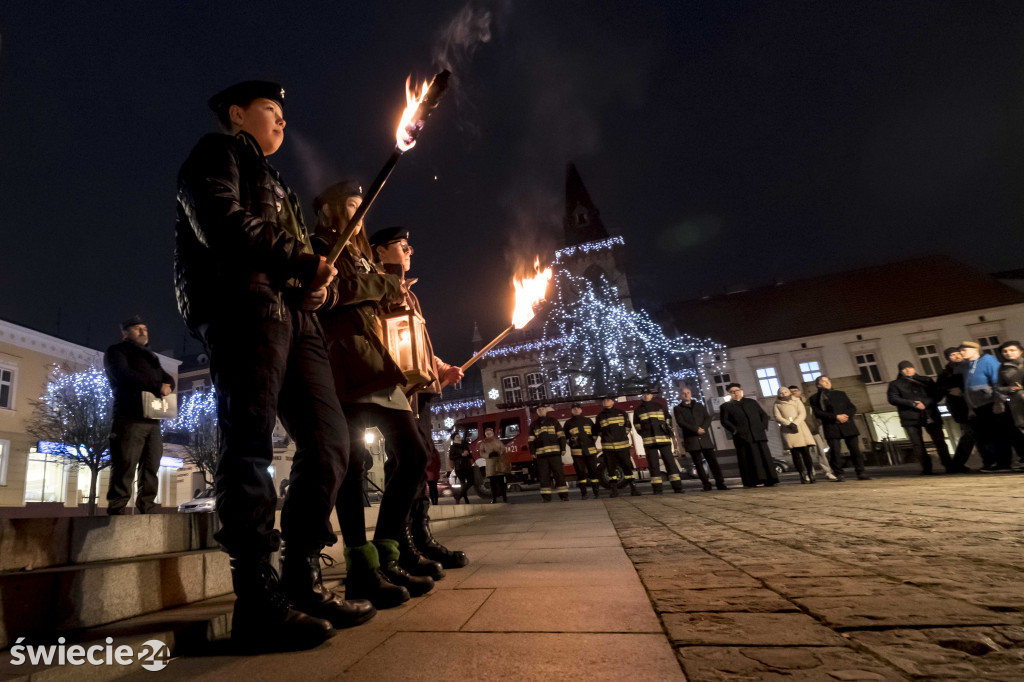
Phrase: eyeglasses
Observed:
(404, 246)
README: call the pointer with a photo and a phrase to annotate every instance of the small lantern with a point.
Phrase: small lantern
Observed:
(405, 335)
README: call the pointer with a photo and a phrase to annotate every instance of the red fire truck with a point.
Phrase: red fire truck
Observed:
(512, 427)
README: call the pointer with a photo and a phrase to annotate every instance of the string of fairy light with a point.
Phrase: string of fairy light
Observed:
(197, 408)
(589, 335)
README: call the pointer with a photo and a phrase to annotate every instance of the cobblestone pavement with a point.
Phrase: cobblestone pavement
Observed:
(890, 579)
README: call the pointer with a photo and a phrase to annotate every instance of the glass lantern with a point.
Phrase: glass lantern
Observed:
(405, 335)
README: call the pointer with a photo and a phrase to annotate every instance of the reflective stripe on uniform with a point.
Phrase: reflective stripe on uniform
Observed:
(562, 489)
(547, 450)
(545, 491)
(656, 480)
(628, 477)
(622, 445)
(673, 477)
(657, 440)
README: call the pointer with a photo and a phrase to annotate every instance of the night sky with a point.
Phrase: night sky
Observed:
(730, 143)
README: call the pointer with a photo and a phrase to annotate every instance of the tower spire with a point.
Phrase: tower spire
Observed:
(582, 222)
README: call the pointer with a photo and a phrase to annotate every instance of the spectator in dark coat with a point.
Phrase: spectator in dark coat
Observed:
(916, 399)
(981, 376)
(135, 442)
(695, 424)
(835, 411)
(1011, 389)
(951, 382)
(748, 424)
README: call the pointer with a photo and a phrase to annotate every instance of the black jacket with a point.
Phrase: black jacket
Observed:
(229, 239)
(546, 437)
(827, 405)
(905, 391)
(952, 377)
(690, 418)
(350, 318)
(745, 420)
(581, 434)
(460, 457)
(613, 426)
(131, 370)
(653, 423)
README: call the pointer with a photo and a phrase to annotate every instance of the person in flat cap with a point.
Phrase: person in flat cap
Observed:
(981, 377)
(916, 398)
(135, 441)
(247, 283)
(370, 387)
(615, 429)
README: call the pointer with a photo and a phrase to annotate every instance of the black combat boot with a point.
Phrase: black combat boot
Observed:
(632, 488)
(596, 486)
(389, 568)
(263, 619)
(303, 584)
(545, 497)
(655, 488)
(583, 490)
(677, 486)
(614, 488)
(363, 579)
(411, 560)
(419, 524)
(564, 497)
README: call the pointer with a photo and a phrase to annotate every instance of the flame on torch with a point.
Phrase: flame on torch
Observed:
(529, 292)
(408, 127)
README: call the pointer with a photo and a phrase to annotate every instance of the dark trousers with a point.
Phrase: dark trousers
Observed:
(964, 446)
(135, 447)
(405, 470)
(466, 482)
(586, 469)
(992, 432)
(802, 459)
(432, 489)
(835, 459)
(914, 433)
(698, 457)
(614, 460)
(756, 463)
(658, 455)
(499, 487)
(549, 468)
(270, 361)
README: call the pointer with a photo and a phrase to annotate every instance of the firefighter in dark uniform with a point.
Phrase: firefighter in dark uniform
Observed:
(247, 282)
(580, 432)
(613, 426)
(655, 428)
(547, 443)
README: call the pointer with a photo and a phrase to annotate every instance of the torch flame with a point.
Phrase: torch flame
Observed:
(405, 135)
(529, 292)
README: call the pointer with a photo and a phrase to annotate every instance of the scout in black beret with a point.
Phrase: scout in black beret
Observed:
(257, 107)
(388, 235)
(243, 95)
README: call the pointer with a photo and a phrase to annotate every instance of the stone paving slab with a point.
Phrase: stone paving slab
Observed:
(518, 656)
(792, 664)
(942, 653)
(751, 629)
(539, 575)
(900, 607)
(617, 608)
(756, 600)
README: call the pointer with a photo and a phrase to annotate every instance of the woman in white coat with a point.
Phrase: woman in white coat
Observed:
(792, 418)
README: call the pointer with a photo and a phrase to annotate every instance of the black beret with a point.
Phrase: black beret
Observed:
(579, 405)
(245, 92)
(338, 192)
(131, 322)
(904, 364)
(949, 351)
(388, 235)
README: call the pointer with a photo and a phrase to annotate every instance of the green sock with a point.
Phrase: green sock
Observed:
(387, 549)
(364, 556)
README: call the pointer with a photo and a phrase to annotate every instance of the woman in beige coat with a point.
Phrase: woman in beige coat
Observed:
(498, 465)
(792, 418)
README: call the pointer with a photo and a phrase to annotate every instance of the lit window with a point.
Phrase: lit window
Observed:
(928, 356)
(809, 371)
(535, 388)
(989, 344)
(513, 389)
(6, 388)
(768, 380)
(46, 478)
(867, 365)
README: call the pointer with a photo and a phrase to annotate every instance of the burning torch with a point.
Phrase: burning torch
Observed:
(530, 292)
(418, 108)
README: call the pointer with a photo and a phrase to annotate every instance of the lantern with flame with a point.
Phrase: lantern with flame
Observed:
(405, 335)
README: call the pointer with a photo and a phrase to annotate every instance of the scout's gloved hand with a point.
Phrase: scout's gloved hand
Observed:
(314, 299)
(324, 274)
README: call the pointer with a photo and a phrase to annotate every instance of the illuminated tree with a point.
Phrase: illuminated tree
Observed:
(197, 421)
(76, 414)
